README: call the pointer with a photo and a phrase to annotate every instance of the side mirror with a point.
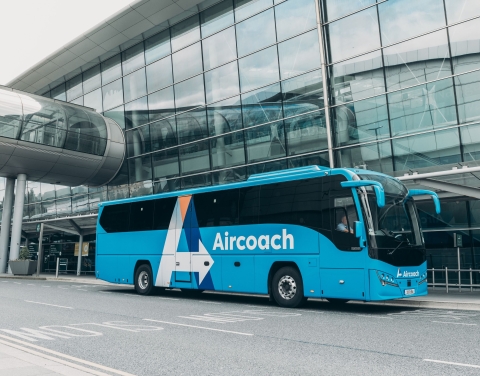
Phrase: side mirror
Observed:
(377, 187)
(419, 192)
(360, 233)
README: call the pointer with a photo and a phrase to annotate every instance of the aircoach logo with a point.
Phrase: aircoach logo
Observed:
(263, 242)
(407, 274)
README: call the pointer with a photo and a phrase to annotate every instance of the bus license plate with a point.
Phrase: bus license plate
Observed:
(410, 292)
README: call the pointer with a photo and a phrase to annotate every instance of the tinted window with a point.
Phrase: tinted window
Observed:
(248, 205)
(276, 202)
(115, 218)
(163, 212)
(344, 215)
(217, 208)
(141, 216)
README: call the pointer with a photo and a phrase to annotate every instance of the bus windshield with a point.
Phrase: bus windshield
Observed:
(393, 230)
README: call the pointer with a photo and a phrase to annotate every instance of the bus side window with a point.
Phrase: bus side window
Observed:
(276, 202)
(248, 205)
(218, 208)
(163, 212)
(307, 205)
(115, 218)
(141, 215)
(344, 214)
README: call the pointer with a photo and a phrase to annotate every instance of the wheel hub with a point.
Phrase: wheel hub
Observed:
(287, 287)
(143, 280)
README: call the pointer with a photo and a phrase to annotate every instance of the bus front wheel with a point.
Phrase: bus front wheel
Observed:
(144, 280)
(287, 287)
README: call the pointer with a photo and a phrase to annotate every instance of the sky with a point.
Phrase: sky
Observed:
(30, 30)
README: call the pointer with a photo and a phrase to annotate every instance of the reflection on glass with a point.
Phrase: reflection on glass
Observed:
(258, 69)
(265, 142)
(219, 49)
(164, 185)
(302, 94)
(48, 209)
(116, 114)
(142, 188)
(59, 93)
(470, 136)
(64, 206)
(299, 55)
(140, 168)
(136, 113)
(195, 181)
(222, 82)
(224, 116)
(231, 175)
(48, 191)
(185, 33)
(339, 8)
(353, 35)
(187, 62)
(400, 20)
(246, 8)
(320, 159)
(262, 105)
(189, 93)
(306, 133)
(94, 100)
(112, 94)
(164, 134)
(260, 168)
(294, 17)
(78, 101)
(256, 32)
(165, 165)
(134, 85)
(460, 10)
(228, 150)
(111, 69)
(417, 61)
(80, 204)
(138, 141)
(133, 58)
(92, 79)
(34, 192)
(157, 46)
(465, 46)
(10, 114)
(468, 96)
(161, 104)
(426, 150)
(357, 78)
(192, 126)
(373, 156)
(216, 18)
(74, 88)
(361, 121)
(159, 74)
(422, 107)
(194, 158)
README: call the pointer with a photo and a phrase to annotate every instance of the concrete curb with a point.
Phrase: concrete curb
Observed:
(61, 279)
(23, 277)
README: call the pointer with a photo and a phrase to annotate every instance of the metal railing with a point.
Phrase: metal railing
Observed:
(457, 282)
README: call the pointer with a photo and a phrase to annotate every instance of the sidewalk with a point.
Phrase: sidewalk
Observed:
(61, 278)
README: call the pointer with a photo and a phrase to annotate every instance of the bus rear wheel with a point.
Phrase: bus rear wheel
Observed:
(287, 287)
(144, 280)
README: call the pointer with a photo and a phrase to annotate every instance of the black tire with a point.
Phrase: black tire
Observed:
(287, 287)
(337, 301)
(144, 284)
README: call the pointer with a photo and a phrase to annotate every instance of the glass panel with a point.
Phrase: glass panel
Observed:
(159, 74)
(48, 209)
(228, 150)
(167, 185)
(94, 100)
(118, 192)
(74, 88)
(92, 79)
(375, 157)
(459, 10)
(302, 94)
(402, 19)
(192, 126)
(34, 192)
(134, 85)
(48, 191)
(136, 113)
(133, 58)
(138, 141)
(417, 61)
(294, 17)
(339, 8)
(187, 62)
(265, 142)
(225, 116)
(262, 105)
(320, 159)
(118, 115)
(222, 82)
(78, 101)
(306, 133)
(80, 204)
(219, 48)
(121, 178)
(470, 136)
(256, 32)
(353, 35)
(112, 94)
(140, 168)
(357, 78)
(422, 107)
(185, 33)
(194, 158)
(267, 167)
(111, 69)
(196, 181)
(189, 94)
(229, 176)
(164, 134)
(361, 121)
(157, 46)
(465, 46)
(245, 8)
(258, 69)
(166, 164)
(216, 18)
(143, 188)
(62, 191)
(59, 93)
(468, 96)
(426, 150)
(161, 104)
(64, 207)
(10, 114)
(299, 55)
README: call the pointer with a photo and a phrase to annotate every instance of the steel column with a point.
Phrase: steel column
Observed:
(6, 219)
(40, 250)
(79, 260)
(17, 217)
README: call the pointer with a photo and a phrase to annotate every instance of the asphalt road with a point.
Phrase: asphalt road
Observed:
(217, 334)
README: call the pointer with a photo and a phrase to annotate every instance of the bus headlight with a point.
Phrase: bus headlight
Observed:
(386, 279)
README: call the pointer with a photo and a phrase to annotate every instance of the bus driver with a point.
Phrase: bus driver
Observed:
(343, 226)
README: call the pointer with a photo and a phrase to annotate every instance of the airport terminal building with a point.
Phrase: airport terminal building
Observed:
(211, 92)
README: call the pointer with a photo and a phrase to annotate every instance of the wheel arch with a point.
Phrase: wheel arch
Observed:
(138, 264)
(277, 265)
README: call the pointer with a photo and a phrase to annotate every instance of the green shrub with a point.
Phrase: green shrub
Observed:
(24, 254)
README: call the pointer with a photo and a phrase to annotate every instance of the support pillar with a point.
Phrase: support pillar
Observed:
(79, 260)
(17, 217)
(40, 250)
(6, 220)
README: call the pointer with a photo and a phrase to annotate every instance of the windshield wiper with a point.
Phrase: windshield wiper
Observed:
(391, 253)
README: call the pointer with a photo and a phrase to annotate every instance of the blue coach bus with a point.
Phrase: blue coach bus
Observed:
(317, 232)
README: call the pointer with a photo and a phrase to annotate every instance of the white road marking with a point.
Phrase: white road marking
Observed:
(203, 301)
(17, 283)
(238, 316)
(52, 305)
(376, 317)
(81, 290)
(432, 313)
(451, 363)
(45, 286)
(200, 327)
(5, 281)
(63, 288)
(31, 284)
(454, 323)
(161, 297)
(105, 292)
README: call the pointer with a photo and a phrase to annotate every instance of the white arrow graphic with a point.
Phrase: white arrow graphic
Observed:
(201, 261)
